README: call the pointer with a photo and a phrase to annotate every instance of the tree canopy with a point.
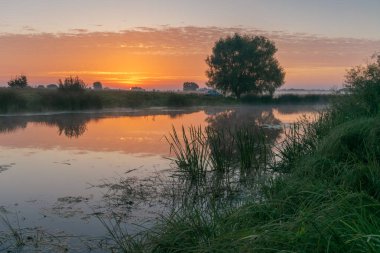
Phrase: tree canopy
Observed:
(363, 83)
(242, 64)
(190, 86)
(18, 82)
(97, 85)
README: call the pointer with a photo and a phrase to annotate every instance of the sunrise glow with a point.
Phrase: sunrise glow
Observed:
(124, 52)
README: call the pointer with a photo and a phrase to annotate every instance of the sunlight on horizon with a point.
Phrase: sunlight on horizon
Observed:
(165, 58)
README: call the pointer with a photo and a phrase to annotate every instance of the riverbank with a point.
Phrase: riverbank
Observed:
(322, 193)
(42, 100)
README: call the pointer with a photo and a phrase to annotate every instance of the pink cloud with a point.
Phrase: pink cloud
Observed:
(308, 59)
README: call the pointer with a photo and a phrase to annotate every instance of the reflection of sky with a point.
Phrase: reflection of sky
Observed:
(141, 134)
(44, 166)
(126, 134)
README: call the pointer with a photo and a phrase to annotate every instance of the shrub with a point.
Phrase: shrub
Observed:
(363, 82)
(72, 84)
(18, 82)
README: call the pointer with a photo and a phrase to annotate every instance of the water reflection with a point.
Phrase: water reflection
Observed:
(50, 162)
(137, 131)
(70, 125)
(11, 124)
(244, 117)
(73, 125)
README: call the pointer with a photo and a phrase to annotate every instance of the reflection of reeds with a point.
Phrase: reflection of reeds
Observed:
(201, 151)
(191, 152)
(18, 239)
(218, 166)
(15, 232)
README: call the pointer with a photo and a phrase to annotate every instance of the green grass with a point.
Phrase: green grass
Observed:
(326, 200)
(320, 194)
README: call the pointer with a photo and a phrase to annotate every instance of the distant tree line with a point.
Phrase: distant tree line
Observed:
(71, 84)
(238, 65)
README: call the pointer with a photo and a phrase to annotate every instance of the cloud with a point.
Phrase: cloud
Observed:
(148, 54)
(28, 29)
(79, 30)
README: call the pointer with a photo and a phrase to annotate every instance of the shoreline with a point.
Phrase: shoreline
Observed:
(38, 101)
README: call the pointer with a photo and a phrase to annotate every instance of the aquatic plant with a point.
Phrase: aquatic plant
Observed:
(324, 195)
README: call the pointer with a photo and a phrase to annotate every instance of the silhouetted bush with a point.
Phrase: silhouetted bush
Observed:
(18, 82)
(190, 86)
(72, 84)
(363, 83)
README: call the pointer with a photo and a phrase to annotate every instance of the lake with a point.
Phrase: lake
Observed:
(59, 172)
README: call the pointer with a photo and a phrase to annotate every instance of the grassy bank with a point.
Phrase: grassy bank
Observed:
(19, 100)
(36, 100)
(320, 194)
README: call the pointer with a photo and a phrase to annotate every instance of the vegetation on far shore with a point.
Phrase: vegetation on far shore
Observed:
(42, 100)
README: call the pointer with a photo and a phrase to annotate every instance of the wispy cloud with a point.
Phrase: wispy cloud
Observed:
(79, 30)
(178, 52)
(28, 29)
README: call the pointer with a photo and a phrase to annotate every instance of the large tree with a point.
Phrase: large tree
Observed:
(243, 64)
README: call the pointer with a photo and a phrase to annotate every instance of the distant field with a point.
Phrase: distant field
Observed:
(36, 100)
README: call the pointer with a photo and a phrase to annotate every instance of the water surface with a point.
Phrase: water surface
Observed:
(56, 170)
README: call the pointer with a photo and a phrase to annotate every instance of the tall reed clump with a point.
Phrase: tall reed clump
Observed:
(70, 100)
(324, 195)
(11, 100)
(199, 153)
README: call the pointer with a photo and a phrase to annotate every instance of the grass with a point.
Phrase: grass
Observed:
(15, 238)
(320, 194)
(37, 100)
(317, 191)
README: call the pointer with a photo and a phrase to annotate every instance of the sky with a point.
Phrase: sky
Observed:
(162, 43)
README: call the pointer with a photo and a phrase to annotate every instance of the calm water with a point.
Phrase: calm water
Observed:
(58, 170)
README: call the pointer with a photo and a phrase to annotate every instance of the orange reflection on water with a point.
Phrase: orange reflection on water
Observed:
(127, 134)
(292, 117)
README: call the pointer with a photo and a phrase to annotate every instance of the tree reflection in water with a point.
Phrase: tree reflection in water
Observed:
(226, 161)
(12, 124)
(227, 177)
(72, 126)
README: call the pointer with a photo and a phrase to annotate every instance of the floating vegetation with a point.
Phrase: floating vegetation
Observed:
(6, 167)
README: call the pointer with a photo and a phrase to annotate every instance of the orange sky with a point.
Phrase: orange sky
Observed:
(166, 57)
